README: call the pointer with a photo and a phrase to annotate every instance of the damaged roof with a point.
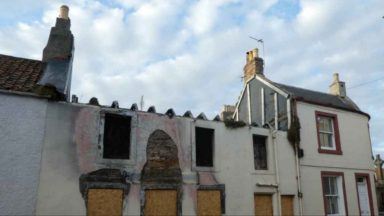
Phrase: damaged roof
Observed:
(19, 74)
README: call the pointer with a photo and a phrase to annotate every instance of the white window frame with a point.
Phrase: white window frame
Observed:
(340, 194)
(327, 132)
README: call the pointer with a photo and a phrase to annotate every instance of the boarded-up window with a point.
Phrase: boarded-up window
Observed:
(287, 205)
(104, 202)
(204, 146)
(160, 202)
(209, 202)
(117, 136)
(263, 205)
(260, 152)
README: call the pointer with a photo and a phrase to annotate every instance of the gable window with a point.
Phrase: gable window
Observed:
(328, 133)
(260, 152)
(117, 136)
(204, 146)
(334, 193)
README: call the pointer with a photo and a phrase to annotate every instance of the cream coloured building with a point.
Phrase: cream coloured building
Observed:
(334, 156)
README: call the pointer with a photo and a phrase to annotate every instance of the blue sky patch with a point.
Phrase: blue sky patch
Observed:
(285, 9)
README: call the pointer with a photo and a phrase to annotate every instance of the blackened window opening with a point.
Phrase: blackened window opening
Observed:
(204, 146)
(260, 152)
(117, 136)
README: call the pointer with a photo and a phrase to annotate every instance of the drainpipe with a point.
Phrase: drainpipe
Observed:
(274, 134)
(298, 173)
(298, 179)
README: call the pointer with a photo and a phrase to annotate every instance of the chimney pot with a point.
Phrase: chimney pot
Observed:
(64, 9)
(254, 65)
(336, 77)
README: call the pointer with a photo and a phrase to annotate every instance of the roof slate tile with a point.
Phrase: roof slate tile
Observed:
(19, 74)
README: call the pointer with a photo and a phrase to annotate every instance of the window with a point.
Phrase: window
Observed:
(334, 193)
(210, 200)
(263, 204)
(204, 146)
(328, 133)
(105, 202)
(260, 152)
(117, 136)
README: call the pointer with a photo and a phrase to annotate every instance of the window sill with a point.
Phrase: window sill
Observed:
(116, 162)
(262, 172)
(204, 169)
(329, 151)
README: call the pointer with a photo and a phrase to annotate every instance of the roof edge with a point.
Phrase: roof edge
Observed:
(25, 94)
(331, 106)
(29, 59)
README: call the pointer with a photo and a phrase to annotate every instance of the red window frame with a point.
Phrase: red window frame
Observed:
(367, 178)
(332, 174)
(337, 149)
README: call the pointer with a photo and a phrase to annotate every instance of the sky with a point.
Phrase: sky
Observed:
(189, 55)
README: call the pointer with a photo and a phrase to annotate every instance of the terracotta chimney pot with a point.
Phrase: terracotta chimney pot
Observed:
(64, 9)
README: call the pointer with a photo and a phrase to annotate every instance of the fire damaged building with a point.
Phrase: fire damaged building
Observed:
(280, 150)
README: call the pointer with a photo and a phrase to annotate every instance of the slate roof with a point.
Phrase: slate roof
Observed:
(19, 74)
(320, 98)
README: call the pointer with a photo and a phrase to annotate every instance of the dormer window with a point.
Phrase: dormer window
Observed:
(327, 133)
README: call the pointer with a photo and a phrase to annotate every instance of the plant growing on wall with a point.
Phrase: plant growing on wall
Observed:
(231, 123)
(293, 134)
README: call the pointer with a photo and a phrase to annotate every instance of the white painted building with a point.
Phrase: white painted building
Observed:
(66, 158)
(334, 150)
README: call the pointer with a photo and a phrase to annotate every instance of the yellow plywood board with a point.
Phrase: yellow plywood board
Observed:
(263, 205)
(287, 205)
(104, 202)
(208, 202)
(160, 202)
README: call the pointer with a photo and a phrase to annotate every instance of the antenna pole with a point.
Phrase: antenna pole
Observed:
(260, 41)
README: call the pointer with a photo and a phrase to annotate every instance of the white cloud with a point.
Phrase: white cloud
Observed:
(190, 55)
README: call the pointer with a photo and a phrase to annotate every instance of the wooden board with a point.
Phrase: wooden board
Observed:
(160, 202)
(263, 205)
(104, 202)
(287, 205)
(209, 202)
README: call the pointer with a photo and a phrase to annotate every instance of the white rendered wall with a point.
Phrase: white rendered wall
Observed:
(22, 126)
(356, 157)
(70, 149)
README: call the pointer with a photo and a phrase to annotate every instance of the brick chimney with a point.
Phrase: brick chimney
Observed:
(58, 57)
(254, 65)
(337, 87)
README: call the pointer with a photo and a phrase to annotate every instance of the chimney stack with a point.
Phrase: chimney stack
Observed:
(254, 65)
(337, 87)
(227, 112)
(58, 56)
(60, 41)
